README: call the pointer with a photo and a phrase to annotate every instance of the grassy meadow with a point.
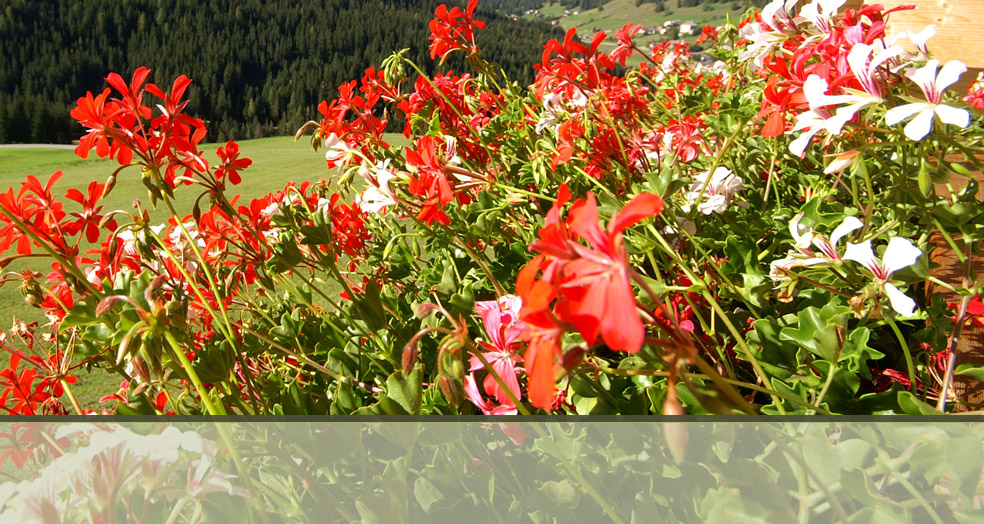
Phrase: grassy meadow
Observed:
(276, 161)
(617, 13)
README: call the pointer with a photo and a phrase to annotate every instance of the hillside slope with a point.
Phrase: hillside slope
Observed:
(259, 67)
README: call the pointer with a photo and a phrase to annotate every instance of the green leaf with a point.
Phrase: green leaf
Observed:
(970, 370)
(403, 394)
(81, 314)
(969, 516)
(911, 405)
(426, 493)
(345, 398)
(138, 406)
(814, 334)
(448, 283)
(561, 493)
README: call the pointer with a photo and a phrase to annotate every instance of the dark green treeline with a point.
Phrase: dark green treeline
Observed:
(259, 67)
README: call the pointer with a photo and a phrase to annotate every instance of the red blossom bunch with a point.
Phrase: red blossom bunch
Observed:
(797, 56)
(454, 30)
(348, 123)
(573, 68)
(35, 219)
(581, 288)
(348, 226)
(437, 180)
(464, 112)
(30, 362)
(975, 92)
(708, 33)
(26, 442)
(577, 83)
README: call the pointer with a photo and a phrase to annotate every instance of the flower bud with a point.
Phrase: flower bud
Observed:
(573, 357)
(409, 356)
(140, 369)
(110, 184)
(925, 178)
(452, 389)
(675, 432)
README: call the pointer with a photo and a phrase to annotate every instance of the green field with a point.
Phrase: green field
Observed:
(275, 162)
(617, 13)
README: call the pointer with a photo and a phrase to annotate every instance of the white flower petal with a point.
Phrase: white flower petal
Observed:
(920, 38)
(925, 76)
(899, 254)
(849, 224)
(900, 302)
(953, 116)
(798, 146)
(779, 268)
(794, 226)
(841, 162)
(858, 59)
(949, 75)
(885, 55)
(835, 124)
(920, 126)
(897, 114)
(862, 254)
(815, 90)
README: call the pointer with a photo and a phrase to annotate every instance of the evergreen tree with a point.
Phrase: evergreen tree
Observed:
(259, 67)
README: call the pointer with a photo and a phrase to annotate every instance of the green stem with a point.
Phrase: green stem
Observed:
(72, 268)
(908, 355)
(190, 371)
(826, 385)
(714, 165)
(499, 290)
(587, 486)
(893, 471)
(724, 318)
(203, 263)
(739, 383)
(71, 396)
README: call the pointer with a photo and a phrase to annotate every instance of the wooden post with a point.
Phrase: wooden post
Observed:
(958, 37)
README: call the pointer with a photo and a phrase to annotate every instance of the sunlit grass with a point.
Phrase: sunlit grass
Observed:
(276, 161)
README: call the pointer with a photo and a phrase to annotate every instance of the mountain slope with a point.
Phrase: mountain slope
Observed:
(259, 67)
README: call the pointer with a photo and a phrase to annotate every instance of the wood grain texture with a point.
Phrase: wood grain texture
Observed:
(959, 34)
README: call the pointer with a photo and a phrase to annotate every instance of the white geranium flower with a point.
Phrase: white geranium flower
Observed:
(378, 195)
(827, 247)
(776, 21)
(271, 210)
(819, 12)
(919, 39)
(818, 118)
(932, 86)
(804, 255)
(821, 116)
(337, 149)
(714, 191)
(900, 254)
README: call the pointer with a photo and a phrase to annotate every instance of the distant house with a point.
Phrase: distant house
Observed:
(670, 23)
(651, 30)
(689, 28)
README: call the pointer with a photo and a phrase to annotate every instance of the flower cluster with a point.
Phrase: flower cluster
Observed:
(795, 176)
